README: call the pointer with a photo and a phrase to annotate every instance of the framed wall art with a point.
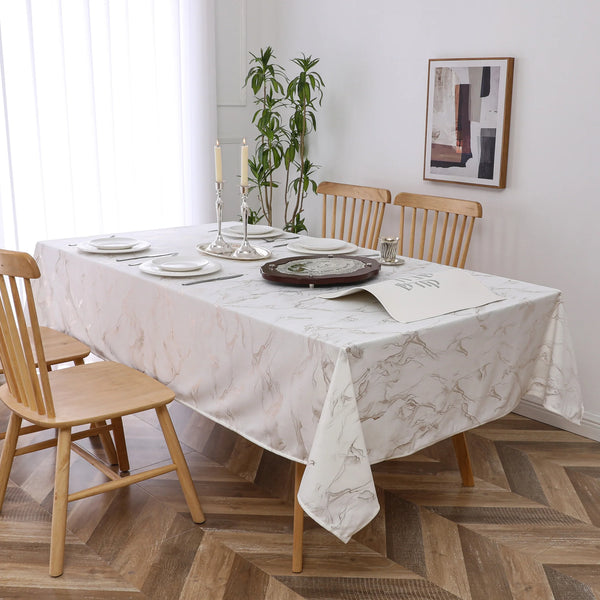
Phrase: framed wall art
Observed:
(468, 119)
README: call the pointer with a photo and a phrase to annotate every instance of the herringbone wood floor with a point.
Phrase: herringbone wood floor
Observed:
(529, 530)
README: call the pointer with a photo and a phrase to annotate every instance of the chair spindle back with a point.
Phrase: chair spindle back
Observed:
(356, 212)
(445, 227)
(20, 338)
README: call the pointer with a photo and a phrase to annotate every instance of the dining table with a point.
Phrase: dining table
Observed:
(336, 385)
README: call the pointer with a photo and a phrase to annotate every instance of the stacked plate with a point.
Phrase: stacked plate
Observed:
(254, 231)
(313, 245)
(113, 245)
(179, 266)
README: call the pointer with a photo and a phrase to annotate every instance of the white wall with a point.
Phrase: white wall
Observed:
(543, 227)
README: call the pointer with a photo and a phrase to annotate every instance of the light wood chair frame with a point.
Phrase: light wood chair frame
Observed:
(28, 394)
(356, 212)
(446, 237)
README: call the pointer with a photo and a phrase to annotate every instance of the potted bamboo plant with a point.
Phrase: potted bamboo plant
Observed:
(285, 116)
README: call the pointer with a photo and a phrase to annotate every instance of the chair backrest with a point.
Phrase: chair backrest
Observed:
(20, 334)
(447, 235)
(353, 213)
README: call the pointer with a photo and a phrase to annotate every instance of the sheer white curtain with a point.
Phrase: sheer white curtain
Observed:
(107, 116)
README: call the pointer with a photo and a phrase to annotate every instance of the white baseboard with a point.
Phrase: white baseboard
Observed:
(590, 423)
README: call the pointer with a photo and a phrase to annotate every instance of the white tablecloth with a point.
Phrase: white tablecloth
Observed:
(336, 384)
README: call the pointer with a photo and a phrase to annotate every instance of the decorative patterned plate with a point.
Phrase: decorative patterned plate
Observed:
(320, 270)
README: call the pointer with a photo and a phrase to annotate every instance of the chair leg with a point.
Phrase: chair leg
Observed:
(120, 444)
(105, 439)
(183, 471)
(298, 531)
(464, 460)
(107, 443)
(59, 507)
(8, 453)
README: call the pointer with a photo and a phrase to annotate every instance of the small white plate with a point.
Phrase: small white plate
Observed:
(113, 243)
(320, 244)
(151, 269)
(254, 231)
(138, 247)
(299, 249)
(179, 263)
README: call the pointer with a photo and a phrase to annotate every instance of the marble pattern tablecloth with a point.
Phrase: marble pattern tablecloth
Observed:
(336, 384)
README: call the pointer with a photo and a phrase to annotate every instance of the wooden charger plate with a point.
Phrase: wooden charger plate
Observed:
(320, 269)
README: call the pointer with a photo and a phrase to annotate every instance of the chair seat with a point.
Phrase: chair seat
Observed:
(94, 392)
(59, 347)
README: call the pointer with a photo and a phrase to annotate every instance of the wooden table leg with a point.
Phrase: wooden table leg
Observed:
(298, 522)
(464, 460)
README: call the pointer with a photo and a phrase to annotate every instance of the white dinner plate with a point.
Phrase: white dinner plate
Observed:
(254, 231)
(113, 243)
(346, 249)
(151, 269)
(320, 244)
(87, 247)
(180, 263)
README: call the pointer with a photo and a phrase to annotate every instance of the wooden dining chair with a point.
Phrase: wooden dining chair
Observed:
(439, 230)
(436, 229)
(353, 213)
(62, 399)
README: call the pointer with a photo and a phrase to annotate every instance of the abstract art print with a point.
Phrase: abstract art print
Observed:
(468, 119)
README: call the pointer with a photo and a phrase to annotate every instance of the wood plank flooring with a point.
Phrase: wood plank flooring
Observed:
(528, 530)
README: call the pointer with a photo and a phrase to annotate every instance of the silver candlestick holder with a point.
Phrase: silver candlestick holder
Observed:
(219, 246)
(245, 250)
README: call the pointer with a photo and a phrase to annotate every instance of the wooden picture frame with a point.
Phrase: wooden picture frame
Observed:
(468, 120)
